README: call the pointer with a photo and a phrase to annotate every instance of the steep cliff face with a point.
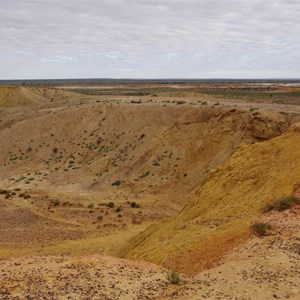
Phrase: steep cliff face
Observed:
(220, 215)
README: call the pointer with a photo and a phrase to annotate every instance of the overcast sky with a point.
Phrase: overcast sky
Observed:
(149, 39)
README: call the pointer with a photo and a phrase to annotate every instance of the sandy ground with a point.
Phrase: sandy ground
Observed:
(51, 250)
(262, 268)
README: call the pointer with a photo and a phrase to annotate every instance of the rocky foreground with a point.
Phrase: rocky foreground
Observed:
(263, 268)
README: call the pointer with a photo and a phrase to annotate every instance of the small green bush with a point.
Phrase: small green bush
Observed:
(260, 229)
(282, 203)
(173, 277)
(91, 205)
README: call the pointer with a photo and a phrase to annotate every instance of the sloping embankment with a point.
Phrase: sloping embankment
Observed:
(221, 213)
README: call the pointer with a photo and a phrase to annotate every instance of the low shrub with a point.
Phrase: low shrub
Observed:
(4, 192)
(24, 195)
(116, 183)
(173, 277)
(180, 102)
(260, 229)
(134, 205)
(110, 205)
(55, 203)
(282, 203)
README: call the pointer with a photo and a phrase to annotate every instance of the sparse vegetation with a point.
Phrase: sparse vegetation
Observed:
(55, 203)
(260, 229)
(4, 192)
(282, 203)
(117, 183)
(24, 195)
(173, 277)
(133, 204)
(145, 174)
(110, 204)
(150, 151)
(180, 102)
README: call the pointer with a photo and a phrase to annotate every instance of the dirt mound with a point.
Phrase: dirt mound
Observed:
(17, 96)
(23, 96)
(221, 213)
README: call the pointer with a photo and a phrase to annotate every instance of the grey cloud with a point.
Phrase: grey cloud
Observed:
(149, 38)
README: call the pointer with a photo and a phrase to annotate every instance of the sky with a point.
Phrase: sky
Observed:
(50, 39)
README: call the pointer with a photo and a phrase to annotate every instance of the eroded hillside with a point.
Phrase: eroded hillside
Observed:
(24, 96)
(141, 148)
(175, 182)
(88, 169)
(220, 215)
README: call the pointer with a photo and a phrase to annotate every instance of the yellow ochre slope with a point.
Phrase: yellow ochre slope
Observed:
(11, 96)
(220, 215)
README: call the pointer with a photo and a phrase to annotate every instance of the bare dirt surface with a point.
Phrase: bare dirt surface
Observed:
(224, 206)
(175, 175)
(262, 268)
(65, 161)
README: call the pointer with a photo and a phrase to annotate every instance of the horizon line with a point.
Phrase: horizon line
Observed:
(162, 78)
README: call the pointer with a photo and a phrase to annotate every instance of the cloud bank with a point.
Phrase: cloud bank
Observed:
(149, 39)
